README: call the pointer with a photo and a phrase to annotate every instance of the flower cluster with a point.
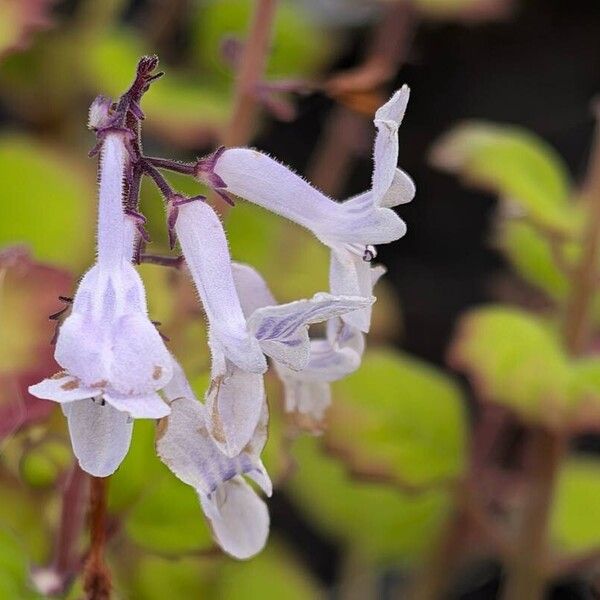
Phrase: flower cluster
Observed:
(117, 367)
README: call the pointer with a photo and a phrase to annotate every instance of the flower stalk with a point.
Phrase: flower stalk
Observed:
(96, 575)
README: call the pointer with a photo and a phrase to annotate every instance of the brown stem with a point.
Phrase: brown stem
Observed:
(339, 144)
(252, 65)
(435, 577)
(585, 276)
(176, 262)
(251, 71)
(71, 520)
(527, 573)
(96, 576)
(386, 50)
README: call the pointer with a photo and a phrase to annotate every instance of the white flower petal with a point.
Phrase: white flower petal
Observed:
(260, 179)
(234, 403)
(239, 518)
(390, 187)
(401, 191)
(62, 387)
(206, 252)
(115, 231)
(140, 361)
(311, 398)
(82, 350)
(283, 330)
(148, 406)
(252, 288)
(100, 436)
(184, 445)
(349, 274)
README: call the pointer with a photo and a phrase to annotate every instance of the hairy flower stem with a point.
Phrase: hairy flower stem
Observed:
(527, 575)
(96, 576)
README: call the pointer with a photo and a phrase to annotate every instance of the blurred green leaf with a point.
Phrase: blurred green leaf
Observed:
(257, 236)
(531, 256)
(384, 524)
(271, 575)
(290, 54)
(50, 202)
(14, 569)
(22, 512)
(168, 518)
(140, 469)
(42, 465)
(399, 419)
(156, 578)
(576, 510)
(514, 163)
(512, 358)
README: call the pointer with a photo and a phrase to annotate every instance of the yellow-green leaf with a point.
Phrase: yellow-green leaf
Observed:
(576, 510)
(518, 166)
(400, 419)
(49, 201)
(514, 359)
(271, 575)
(382, 523)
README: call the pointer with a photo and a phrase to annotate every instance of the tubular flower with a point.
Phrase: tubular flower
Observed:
(332, 358)
(238, 344)
(238, 517)
(351, 228)
(113, 357)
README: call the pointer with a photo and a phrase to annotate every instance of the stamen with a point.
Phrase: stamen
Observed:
(369, 254)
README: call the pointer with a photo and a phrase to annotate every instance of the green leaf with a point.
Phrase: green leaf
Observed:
(24, 514)
(271, 575)
(531, 256)
(399, 419)
(164, 514)
(290, 55)
(168, 518)
(156, 578)
(50, 202)
(513, 358)
(14, 568)
(374, 518)
(518, 166)
(43, 464)
(257, 236)
(576, 511)
(139, 471)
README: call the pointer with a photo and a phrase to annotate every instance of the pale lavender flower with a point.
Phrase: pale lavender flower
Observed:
(332, 358)
(351, 228)
(113, 357)
(238, 517)
(238, 344)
